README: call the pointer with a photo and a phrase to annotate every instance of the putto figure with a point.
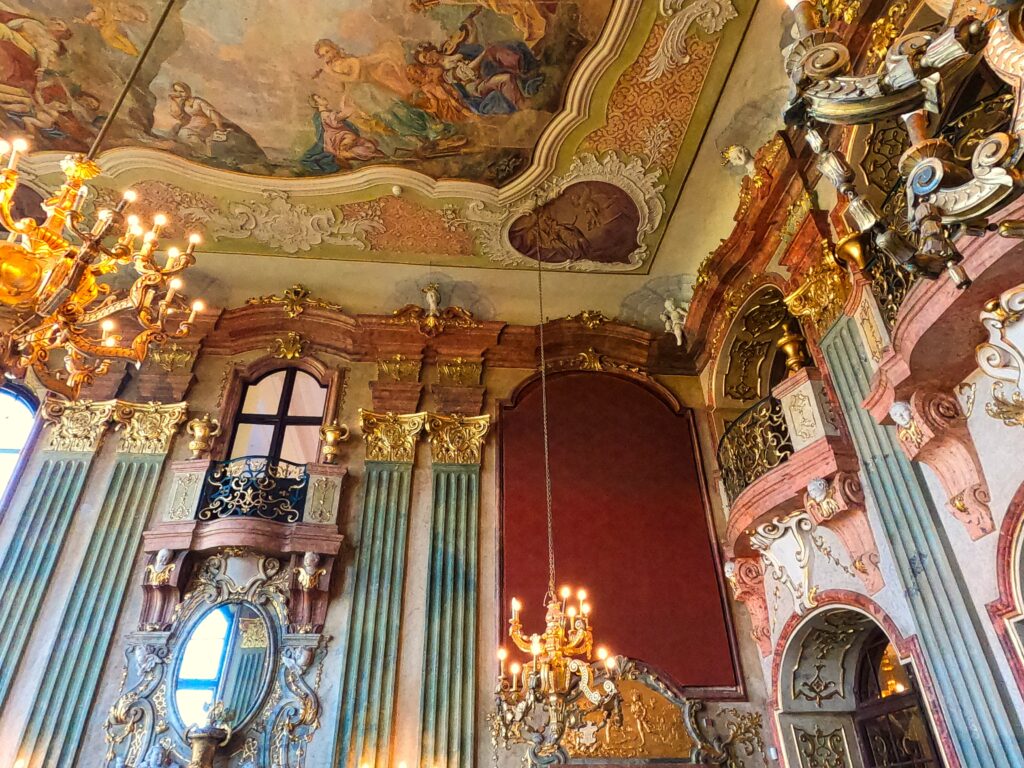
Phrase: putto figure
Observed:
(674, 318)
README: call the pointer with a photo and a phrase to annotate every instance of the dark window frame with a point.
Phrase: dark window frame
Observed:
(280, 419)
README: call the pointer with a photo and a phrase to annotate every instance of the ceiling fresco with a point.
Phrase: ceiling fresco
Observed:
(464, 132)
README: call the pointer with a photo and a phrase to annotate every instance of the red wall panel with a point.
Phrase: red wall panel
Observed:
(630, 524)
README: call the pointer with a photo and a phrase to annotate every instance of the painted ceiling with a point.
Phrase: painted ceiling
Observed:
(449, 132)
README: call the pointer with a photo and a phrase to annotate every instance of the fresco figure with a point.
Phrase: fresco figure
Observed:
(338, 141)
(380, 90)
(109, 16)
(524, 14)
(201, 127)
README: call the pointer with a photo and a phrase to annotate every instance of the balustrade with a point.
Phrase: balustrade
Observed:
(754, 444)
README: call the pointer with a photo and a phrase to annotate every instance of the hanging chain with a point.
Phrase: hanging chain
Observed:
(544, 415)
(109, 120)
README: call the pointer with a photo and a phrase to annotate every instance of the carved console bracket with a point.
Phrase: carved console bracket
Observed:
(932, 429)
(838, 504)
(746, 577)
(786, 546)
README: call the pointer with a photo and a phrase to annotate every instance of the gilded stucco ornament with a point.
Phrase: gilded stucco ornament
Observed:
(332, 435)
(291, 347)
(398, 368)
(459, 372)
(294, 301)
(148, 428)
(820, 748)
(822, 292)
(391, 436)
(591, 318)
(77, 426)
(171, 357)
(433, 320)
(202, 430)
(786, 545)
(711, 15)
(1002, 356)
(456, 439)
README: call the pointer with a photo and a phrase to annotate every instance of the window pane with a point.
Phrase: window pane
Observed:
(205, 648)
(192, 705)
(252, 440)
(300, 444)
(308, 397)
(15, 422)
(264, 397)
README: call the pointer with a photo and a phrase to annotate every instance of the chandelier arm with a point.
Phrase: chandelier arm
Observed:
(109, 120)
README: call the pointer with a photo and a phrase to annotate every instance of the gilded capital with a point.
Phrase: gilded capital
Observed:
(148, 428)
(456, 439)
(78, 425)
(391, 436)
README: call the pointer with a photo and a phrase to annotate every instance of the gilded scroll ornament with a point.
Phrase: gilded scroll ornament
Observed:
(433, 320)
(398, 368)
(822, 292)
(821, 749)
(391, 436)
(884, 31)
(832, 11)
(459, 372)
(148, 428)
(78, 426)
(456, 439)
(294, 301)
(590, 318)
(291, 347)
(744, 739)
(1007, 408)
(754, 444)
(171, 358)
(592, 360)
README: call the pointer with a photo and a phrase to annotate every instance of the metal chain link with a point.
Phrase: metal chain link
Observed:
(544, 416)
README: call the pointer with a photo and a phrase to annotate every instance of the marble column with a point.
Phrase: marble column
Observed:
(27, 566)
(985, 729)
(371, 650)
(449, 658)
(53, 734)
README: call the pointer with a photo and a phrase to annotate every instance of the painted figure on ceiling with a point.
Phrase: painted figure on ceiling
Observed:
(524, 14)
(379, 88)
(467, 77)
(338, 141)
(201, 127)
(110, 16)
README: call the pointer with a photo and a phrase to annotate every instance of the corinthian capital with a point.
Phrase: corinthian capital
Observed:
(456, 439)
(391, 436)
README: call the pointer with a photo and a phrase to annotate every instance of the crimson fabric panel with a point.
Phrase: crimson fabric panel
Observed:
(630, 524)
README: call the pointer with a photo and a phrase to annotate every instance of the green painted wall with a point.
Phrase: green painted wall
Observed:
(449, 659)
(371, 652)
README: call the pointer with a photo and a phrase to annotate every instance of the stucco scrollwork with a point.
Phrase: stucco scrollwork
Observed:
(712, 15)
(787, 547)
(490, 224)
(1002, 355)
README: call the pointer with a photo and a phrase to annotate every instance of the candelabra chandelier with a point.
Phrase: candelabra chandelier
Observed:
(51, 276)
(922, 74)
(561, 688)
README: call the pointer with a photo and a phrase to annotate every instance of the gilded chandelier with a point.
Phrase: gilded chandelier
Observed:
(560, 689)
(52, 274)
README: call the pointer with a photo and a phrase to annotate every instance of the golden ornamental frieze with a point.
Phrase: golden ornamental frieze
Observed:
(391, 436)
(172, 357)
(148, 428)
(294, 301)
(399, 368)
(459, 372)
(591, 318)
(456, 439)
(592, 360)
(78, 426)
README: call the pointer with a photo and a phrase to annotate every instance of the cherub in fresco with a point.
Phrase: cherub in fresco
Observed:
(465, 76)
(380, 90)
(110, 16)
(524, 14)
(200, 126)
(338, 141)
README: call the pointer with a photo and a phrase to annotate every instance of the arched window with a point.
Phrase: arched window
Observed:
(280, 417)
(17, 414)
(891, 725)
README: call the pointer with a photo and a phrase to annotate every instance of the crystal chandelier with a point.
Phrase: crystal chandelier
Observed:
(561, 688)
(51, 275)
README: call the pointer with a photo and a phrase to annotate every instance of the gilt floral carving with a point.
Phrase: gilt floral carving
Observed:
(77, 426)
(391, 436)
(148, 428)
(456, 439)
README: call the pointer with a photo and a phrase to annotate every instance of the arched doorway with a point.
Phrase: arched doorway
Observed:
(892, 728)
(847, 698)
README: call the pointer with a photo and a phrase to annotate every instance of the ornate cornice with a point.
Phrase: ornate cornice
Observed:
(77, 426)
(148, 428)
(456, 439)
(294, 301)
(391, 436)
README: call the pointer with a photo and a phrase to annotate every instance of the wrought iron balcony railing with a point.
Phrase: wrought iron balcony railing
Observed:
(754, 444)
(254, 486)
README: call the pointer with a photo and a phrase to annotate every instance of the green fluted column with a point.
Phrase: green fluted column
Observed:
(449, 657)
(371, 651)
(27, 566)
(984, 727)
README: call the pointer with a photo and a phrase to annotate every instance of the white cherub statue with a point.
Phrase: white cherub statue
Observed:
(674, 317)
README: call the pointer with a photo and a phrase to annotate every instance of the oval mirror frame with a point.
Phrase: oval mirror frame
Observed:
(181, 643)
